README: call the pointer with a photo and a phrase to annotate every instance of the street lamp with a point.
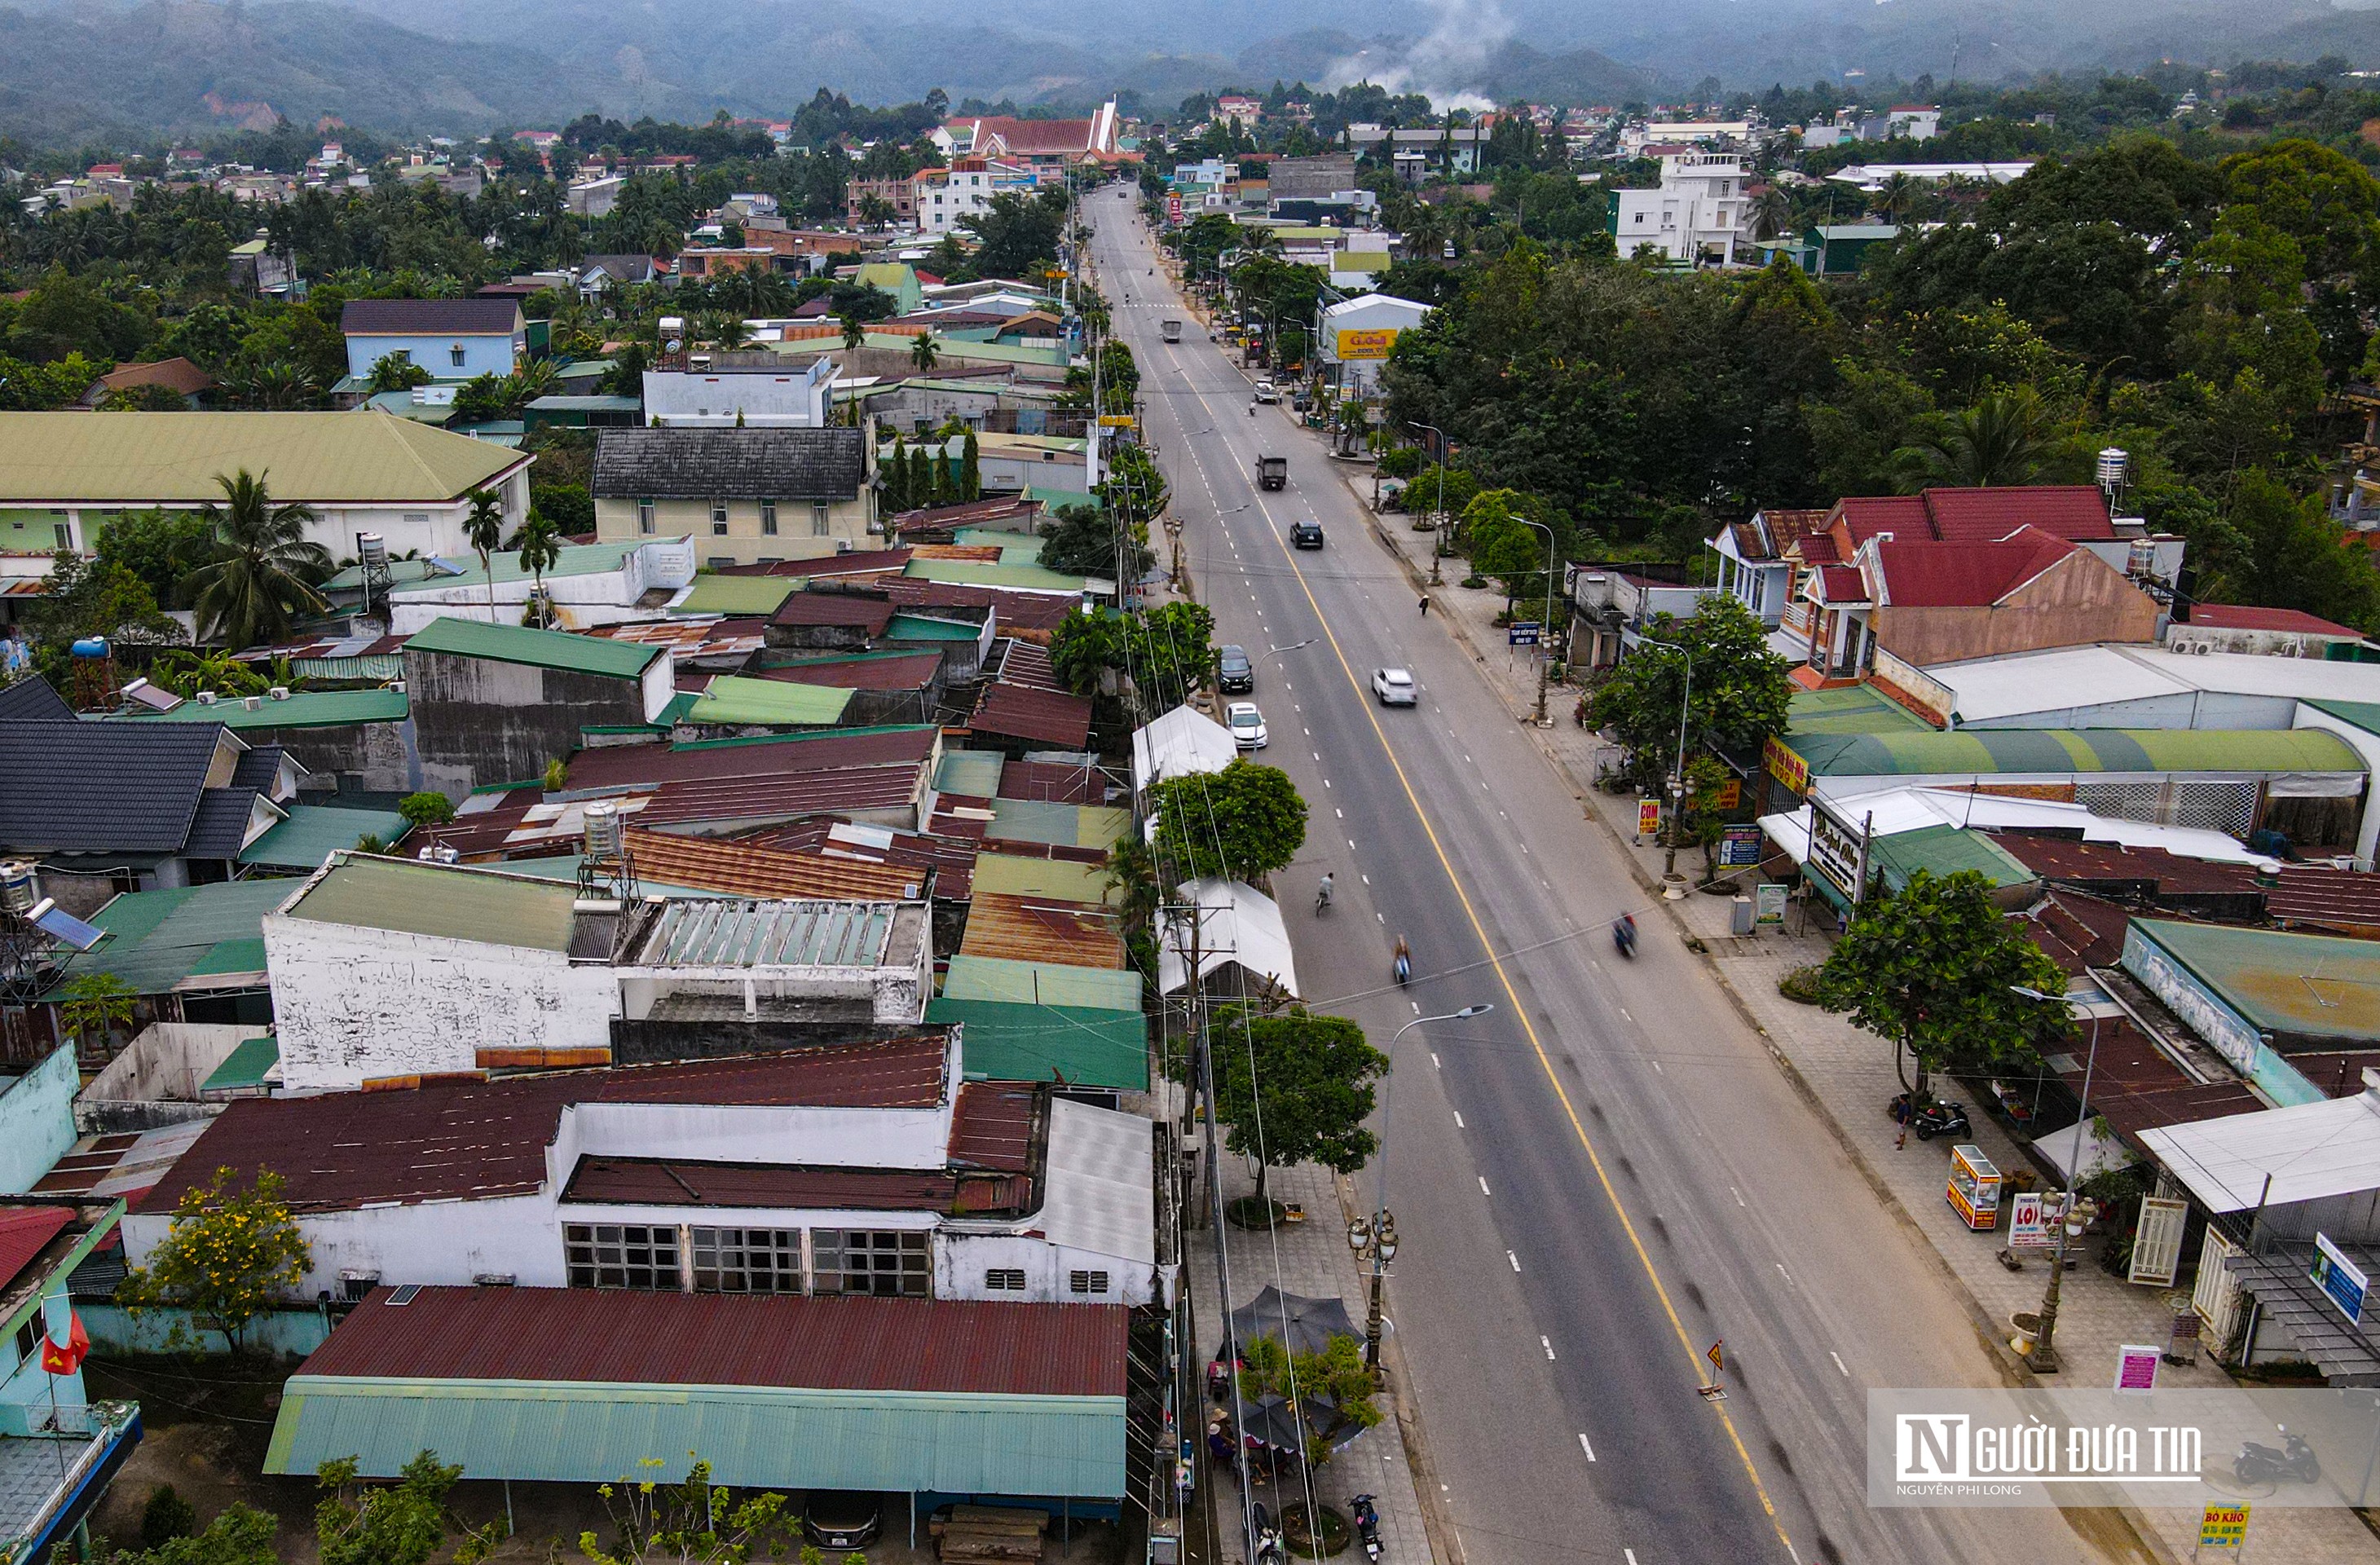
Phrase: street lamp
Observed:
(1545, 626)
(1270, 651)
(1375, 1237)
(1438, 543)
(2043, 1359)
(1678, 766)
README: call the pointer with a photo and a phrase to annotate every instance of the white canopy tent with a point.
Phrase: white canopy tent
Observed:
(1179, 744)
(1236, 923)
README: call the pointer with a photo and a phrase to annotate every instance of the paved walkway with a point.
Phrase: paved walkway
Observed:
(1310, 1259)
(1850, 1074)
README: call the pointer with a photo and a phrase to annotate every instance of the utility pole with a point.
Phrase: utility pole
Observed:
(1678, 766)
(1437, 539)
(1546, 625)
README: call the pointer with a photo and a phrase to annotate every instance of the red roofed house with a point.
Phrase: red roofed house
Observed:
(1042, 143)
(2273, 633)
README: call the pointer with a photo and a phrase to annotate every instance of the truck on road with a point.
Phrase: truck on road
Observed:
(1272, 472)
(1173, 330)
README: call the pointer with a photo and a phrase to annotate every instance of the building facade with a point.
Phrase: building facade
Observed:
(1699, 216)
(747, 497)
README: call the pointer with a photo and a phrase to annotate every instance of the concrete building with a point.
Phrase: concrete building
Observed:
(497, 703)
(1699, 216)
(590, 583)
(944, 197)
(389, 969)
(453, 339)
(64, 475)
(1359, 333)
(2271, 633)
(746, 496)
(761, 391)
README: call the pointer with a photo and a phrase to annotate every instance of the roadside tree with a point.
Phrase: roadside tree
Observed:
(1295, 1088)
(1740, 696)
(1240, 822)
(232, 1251)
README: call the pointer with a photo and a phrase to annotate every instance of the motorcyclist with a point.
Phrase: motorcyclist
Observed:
(1322, 894)
(1404, 961)
(1623, 934)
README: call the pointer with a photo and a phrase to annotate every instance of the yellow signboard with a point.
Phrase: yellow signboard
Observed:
(1116, 422)
(2224, 1526)
(1358, 346)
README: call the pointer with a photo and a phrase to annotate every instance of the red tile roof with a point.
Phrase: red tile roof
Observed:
(1926, 575)
(1839, 584)
(1044, 717)
(773, 1339)
(24, 1232)
(1030, 137)
(1819, 549)
(1864, 517)
(2293, 621)
(471, 1140)
(2067, 511)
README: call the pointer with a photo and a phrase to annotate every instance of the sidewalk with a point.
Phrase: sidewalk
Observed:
(1309, 1258)
(1849, 1075)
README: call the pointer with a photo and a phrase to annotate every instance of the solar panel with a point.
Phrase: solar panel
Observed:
(403, 1293)
(63, 927)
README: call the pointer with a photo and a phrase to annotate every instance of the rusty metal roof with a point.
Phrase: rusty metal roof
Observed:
(1046, 717)
(653, 1182)
(992, 1127)
(1040, 929)
(615, 766)
(743, 870)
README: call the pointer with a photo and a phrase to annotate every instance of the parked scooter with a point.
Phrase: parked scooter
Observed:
(1268, 1549)
(1623, 936)
(2262, 1465)
(1367, 1525)
(1941, 1117)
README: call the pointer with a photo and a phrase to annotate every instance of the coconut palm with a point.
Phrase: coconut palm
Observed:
(541, 548)
(2002, 440)
(1894, 199)
(261, 566)
(1772, 210)
(922, 352)
(484, 527)
(854, 334)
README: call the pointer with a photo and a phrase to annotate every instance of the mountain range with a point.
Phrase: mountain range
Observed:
(99, 71)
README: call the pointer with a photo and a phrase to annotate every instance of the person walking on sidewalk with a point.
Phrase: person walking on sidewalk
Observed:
(1425, 605)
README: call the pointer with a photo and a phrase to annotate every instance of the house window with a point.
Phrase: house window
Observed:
(818, 513)
(29, 1337)
(850, 1260)
(65, 534)
(456, 355)
(622, 1255)
(769, 518)
(721, 561)
(1003, 1280)
(719, 518)
(1087, 1282)
(747, 1260)
(644, 515)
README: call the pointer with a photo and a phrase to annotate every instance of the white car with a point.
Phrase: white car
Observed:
(1248, 725)
(1267, 392)
(1395, 687)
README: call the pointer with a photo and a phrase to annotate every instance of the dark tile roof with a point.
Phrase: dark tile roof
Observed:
(622, 268)
(1045, 717)
(731, 464)
(32, 697)
(430, 318)
(773, 1339)
(219, 829)
(868, 614)
(103, 787)
(258, 768)
(472, 1140)
(852, 562)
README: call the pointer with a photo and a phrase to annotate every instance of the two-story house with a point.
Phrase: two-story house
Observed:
(453, 339)
(748, 496)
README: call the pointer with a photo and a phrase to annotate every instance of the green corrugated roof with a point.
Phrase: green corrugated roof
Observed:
(2363, 714)
(1850, 709)
(143, 458)
(303, 709)
(313, 832)
(2280, 981)
(1015, 548)
(1946, 850)
(1060, 880)
(919, 627)
(738, 595)
(541, 649)
(753, 1436)
(157, 939)
(245, 1066)
(974, 573)
(446, 901)
(1042, 983)
(731, 699)
(973, 773)
(1066, 826)
(2029, 752)
(1084, 1047)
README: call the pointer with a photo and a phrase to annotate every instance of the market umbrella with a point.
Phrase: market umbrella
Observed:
(1302, 1325)
(1273, 1421)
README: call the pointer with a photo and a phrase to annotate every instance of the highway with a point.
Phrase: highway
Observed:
(1607, 1174)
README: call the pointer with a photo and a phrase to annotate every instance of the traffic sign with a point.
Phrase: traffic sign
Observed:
(1523, 633)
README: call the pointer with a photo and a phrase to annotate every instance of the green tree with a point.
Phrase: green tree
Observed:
(854, 334)
(158, 546)
(483, 526)
(970, 469)
(1930, 968)
(232, 1254)
(1293, 1088)
(923, 354)
(541, 549)
(1016, 236)
(427, 807)
(167, 1517)
(1245, 820)
(237, 1535)
(2002, 440)
(94, 1005)
(695, 1521)
(1739, 698)
(1082, 541)
(396, 371)
(1495, 529)
(1328, 1389)
(401, 1523)
(479, 400)
(894, 469)
(262, 567)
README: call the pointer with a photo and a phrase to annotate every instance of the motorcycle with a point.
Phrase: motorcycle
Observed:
(2263, 1464)
(1268, 1549)
(1403, 966)
(1367, 1525)
(1941, 1117)
(1624, 937)
(1322, 897)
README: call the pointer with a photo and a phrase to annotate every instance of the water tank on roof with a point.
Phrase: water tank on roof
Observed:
(372, 550)
(90, 647)
(2111, 466)
(20, 885)
(602, 829)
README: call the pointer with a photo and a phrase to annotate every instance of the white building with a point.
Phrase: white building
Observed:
(1359, 333)
(1872, 176)
(868, 1168)
(964, 190)
(1634, 139)
(590, 583)
(759, 391)
(386, 970)
(1699, 214)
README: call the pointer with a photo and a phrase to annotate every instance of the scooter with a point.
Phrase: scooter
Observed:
(2263, 1464)
(1268, 1549)
(1403, 966)
(1624, 937)
(1939, 1117)
(1367, 1525)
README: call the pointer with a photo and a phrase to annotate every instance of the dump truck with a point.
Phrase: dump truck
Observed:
(1173, 330)
(1272, 472)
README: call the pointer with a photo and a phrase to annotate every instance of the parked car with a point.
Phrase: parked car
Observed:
(1395, 687)
(1267, 392)
(1305, 535)
(1248, 725)
(1235, 675)
(841, 1519)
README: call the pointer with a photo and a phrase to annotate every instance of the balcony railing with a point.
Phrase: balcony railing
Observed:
(46, 1472)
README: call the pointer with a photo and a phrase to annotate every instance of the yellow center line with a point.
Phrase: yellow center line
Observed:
(1610, 1192)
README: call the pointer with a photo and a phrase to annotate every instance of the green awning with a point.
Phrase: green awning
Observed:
(244, 1068)
(1080, 1045)
(1946, 850)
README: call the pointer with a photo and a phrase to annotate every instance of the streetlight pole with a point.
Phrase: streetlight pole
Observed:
(2043, 1360)
(1678, 766)
(1269, 652)
(1546, 625)
(1375, 1237)
(1437, 543)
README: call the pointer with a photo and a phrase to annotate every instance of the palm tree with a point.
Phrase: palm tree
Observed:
(275, 385)
(2002, 440)
(1772, 210)
(484, 525)
(854, 334)
(263, 566)
(921, 351)
(1894, 199)
(541, 548)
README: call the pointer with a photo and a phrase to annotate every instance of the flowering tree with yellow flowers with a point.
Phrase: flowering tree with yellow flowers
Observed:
(232, 1253)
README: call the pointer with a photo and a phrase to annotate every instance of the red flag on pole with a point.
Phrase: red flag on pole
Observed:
(66, 1360)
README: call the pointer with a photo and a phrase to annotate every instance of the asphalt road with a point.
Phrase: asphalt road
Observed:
(1606, 1175)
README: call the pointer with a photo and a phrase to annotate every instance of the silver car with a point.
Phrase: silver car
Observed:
(1395, 687)
(1248, 725)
